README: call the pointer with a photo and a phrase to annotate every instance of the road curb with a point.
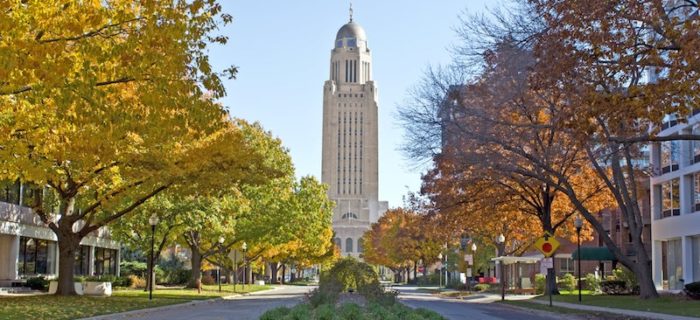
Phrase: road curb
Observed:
(129, 313)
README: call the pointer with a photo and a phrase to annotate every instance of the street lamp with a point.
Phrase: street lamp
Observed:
(218, 268)
(502, 240)
(469, 284)
(440, 283)
(153, 221)
(578, 223)
(245, 264)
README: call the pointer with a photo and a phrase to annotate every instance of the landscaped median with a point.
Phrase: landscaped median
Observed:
(350, 290)
(671, 305)
(74, 307)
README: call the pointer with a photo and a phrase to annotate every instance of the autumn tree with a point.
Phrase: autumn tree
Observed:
(486, 125)
(624, 66)
(103, 104)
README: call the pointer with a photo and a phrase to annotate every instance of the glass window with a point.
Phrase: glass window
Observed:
(670, 202)
(348, 245)
(670, 154)
(696, 191)
(337, 242)
(566, 265)
(359, 245)
(9, 191)
(82, 261)
(338, 43)
(36, 256)
(105, 261)
(352, 42)
(696, 146)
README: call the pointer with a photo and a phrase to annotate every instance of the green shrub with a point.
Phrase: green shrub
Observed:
(482, 287)
(325, 311)
(208, 279)
(114, 280)
(614, 287)
(628, 277)
(136, 282)
(540, 283)
(567, 282)
(430, 279)
(301, 311)
(275, 314)
(377, 311)
(318, 297)
(350, 311)
(692, 290)
(349, 274)
(592, 283)
(38, 283)
(428, 314)
(140, 269)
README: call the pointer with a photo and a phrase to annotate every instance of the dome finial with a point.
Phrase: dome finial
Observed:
(350, 11)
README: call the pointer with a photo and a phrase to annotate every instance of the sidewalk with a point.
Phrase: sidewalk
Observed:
(626, 312)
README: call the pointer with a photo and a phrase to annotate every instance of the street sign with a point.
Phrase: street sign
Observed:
(469, 259)
(547, 263)
(236, 256)
(469, 272)
(547, 244)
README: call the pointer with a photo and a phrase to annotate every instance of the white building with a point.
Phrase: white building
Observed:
(28, 247)
(350, 139)
(675, 203)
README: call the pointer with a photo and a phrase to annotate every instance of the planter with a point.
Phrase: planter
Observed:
(260, 282)
(53, 286)
(95, 288)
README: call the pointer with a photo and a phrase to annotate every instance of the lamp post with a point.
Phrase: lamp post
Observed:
(153, 221)
(235, 266)
(440, 283)
(578, 223)
(469, 282)
(501, 241)
(218, 268)
(245, 264)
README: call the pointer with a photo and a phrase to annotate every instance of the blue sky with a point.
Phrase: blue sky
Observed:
(282, 49)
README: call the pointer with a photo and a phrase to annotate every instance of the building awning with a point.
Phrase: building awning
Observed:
(512, 260)
(594, 254)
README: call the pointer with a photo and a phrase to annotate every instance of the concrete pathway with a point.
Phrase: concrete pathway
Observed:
(248, 307)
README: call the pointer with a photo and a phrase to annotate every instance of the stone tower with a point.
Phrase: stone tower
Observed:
(350, 143)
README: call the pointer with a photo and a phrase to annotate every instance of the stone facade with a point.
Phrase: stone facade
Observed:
(350, 139)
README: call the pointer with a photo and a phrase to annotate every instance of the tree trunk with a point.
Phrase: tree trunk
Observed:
(274, 269)
(196, 261)
(284, 271)
(68, 244)
(642, 270)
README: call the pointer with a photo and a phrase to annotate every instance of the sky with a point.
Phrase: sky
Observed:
(282, 49)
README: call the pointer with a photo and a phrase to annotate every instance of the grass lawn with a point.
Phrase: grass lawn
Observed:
(537, 306)
(667, 304)
(58, 308)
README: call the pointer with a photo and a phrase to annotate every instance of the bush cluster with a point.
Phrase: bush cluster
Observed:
(567, 282)
(482, 287)
(593, 283)
(350, 311)
(540, 283)
(350, 275)
(692, 290)
(38, 283)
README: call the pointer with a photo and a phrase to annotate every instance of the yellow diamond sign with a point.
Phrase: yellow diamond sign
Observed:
(547, 244)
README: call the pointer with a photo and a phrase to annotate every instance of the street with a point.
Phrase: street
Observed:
(478, 308)
(248, 307)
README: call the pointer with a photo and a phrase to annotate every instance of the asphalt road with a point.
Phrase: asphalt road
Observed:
(248, 307)
(482, 308)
